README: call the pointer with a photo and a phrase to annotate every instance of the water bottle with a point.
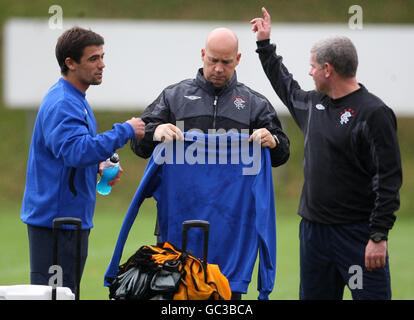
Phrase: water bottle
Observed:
(110, 170)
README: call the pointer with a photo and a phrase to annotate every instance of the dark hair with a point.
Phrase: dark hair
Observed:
(71, 44)
(340, 52)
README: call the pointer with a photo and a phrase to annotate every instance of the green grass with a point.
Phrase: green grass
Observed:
(14, 264)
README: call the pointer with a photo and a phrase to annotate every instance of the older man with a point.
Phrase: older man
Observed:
(352, 170)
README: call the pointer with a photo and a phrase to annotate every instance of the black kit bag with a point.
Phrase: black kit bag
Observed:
(153, 272)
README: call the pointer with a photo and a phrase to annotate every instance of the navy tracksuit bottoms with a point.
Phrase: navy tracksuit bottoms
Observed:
(332, 256)
(41, 254)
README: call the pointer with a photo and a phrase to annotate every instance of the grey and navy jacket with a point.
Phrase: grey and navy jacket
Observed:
(352, 164)
(199, 105)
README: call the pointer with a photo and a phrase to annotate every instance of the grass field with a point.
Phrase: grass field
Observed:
(14, 262)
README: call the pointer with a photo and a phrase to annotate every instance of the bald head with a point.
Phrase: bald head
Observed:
(220, 56)
(223, 39)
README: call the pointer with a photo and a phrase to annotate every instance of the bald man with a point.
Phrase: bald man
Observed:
(214, 100)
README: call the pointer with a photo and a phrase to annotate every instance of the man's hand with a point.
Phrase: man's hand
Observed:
(262, 26)
(265, 138)
(375, 254)
(167, 132)
(139, 127)
(117, 177)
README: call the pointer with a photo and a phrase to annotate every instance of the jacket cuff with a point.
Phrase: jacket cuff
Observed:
(130, 130)
(379, 230)
(263, 43)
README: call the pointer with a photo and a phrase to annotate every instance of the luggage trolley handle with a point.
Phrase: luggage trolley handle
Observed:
(57, 224)
(205, 225)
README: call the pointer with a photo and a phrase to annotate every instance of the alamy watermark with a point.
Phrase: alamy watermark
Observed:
(213, 149)
(355, 22)
(56, 21)
(56, 278)
(356, 280)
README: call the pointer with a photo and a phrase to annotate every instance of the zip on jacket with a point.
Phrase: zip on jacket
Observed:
(215, 111)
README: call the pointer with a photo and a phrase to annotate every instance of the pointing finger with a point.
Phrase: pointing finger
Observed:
(266, 15)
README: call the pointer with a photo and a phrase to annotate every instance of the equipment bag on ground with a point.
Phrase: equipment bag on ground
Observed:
(165, 272)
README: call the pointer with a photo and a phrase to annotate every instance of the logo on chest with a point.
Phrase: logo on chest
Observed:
(239, 102)
(192, 97)
(346, 115)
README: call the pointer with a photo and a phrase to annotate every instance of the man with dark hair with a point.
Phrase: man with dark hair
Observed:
(71, 44)
(66, 153)
(352, 170)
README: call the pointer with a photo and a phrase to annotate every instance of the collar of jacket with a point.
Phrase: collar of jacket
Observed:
(209, 87)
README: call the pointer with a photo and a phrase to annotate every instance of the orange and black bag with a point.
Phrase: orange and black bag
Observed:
(165, 272)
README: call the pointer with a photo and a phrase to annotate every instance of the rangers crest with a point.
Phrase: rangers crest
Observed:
(346, 115)
(239, 102)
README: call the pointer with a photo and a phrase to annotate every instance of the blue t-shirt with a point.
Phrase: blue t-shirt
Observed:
(226, 181)
(64, 155)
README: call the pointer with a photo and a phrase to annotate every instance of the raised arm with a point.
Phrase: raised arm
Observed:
(293, 97)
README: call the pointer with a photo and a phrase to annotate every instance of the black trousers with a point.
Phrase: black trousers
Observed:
(41, 254)
(332, 257)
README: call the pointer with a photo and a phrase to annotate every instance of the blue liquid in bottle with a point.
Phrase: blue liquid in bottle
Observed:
(110, 171)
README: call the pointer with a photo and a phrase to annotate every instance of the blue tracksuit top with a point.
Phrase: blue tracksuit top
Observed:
(202, 178)
(64, 155)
